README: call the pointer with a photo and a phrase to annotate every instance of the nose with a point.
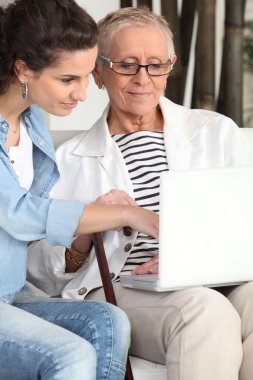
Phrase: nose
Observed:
(142, 75)
(145, 67)
(79, 93)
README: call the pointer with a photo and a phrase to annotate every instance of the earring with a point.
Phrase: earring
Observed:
(101, 86)
(24, 90)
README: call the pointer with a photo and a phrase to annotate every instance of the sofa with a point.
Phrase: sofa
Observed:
(142, 369)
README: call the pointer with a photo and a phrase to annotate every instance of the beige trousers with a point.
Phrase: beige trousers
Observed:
(196, 332)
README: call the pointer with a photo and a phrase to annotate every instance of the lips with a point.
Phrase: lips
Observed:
(70, 105)
(139, 93)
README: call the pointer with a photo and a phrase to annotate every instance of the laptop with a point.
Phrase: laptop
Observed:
(206, 230)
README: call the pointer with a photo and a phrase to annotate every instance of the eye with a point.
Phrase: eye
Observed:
(156, 66)
(67, 80)
(126, 65)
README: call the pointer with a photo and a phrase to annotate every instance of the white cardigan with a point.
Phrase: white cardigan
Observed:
(91, 164)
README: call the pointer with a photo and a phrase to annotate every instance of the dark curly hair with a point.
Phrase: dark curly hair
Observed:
(38, 31)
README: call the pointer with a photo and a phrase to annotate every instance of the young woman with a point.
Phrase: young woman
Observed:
(47, 51)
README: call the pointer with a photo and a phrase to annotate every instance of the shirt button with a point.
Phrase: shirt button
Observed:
(42, 142)
(128, 246)
(12, 161)
(127, 231)
(82, 291)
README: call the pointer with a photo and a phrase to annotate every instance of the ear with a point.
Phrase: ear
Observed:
(97, 75)
(173, 60)
(22, 71)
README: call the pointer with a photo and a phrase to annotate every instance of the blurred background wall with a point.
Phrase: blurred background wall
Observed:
(203, 78)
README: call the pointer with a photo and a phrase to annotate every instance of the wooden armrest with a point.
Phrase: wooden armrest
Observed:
(103, 268)
(107, 283)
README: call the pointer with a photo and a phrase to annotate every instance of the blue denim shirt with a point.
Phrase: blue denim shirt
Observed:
(29, 215)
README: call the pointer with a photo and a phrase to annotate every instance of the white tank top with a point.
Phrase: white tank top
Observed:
(21, 158)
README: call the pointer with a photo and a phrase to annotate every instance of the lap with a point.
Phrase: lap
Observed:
(33, 348)
(157, 317)
(134, 298)
(79, 317)
(20, 325)
(61, 311)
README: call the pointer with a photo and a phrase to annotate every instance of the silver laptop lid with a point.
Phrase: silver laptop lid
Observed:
(206, 227)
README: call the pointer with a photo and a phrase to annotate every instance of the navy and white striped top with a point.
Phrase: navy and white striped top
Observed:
(145, 158)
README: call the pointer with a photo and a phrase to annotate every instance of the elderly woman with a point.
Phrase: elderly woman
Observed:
(196, 332)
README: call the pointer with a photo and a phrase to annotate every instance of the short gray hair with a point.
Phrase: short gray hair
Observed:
(127, 17)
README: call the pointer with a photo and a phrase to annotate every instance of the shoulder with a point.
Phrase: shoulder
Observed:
(188, 122)
(82, 143)
(34, 115)
(69, 145)
(200, 115)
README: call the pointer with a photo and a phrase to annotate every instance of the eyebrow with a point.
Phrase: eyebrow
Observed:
(73, 75)
(69, 75)
(137, 59)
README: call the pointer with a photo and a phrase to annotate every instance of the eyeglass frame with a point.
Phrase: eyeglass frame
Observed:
(110, 63)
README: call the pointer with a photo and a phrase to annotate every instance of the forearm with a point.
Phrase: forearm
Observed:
(77, 254)
(98, 218)
(82, 244)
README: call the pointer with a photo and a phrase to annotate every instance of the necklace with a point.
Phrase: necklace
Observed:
(15, 127)
(14, 130)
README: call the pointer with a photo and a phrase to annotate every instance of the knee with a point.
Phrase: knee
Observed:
(242, 298)
(80, 351)
(76, 358)
(211, 308)
(120, 322)
(86, 354)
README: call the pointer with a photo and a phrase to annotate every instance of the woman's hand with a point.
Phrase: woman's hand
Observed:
(142, 220)
(115, 197)
(104, 215)
(150, 266)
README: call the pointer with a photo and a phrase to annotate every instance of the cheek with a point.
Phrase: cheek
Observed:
(160, 84)
(46, 97)
(115, 82)
(51, 90)
(41, 92)
(50, 87)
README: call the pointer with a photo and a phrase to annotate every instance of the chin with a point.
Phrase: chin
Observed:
(141, 110)
(60, 113)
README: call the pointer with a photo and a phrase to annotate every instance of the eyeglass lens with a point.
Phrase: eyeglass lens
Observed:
(133, 68)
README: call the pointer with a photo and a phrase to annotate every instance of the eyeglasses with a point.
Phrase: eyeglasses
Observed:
(125, 68)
